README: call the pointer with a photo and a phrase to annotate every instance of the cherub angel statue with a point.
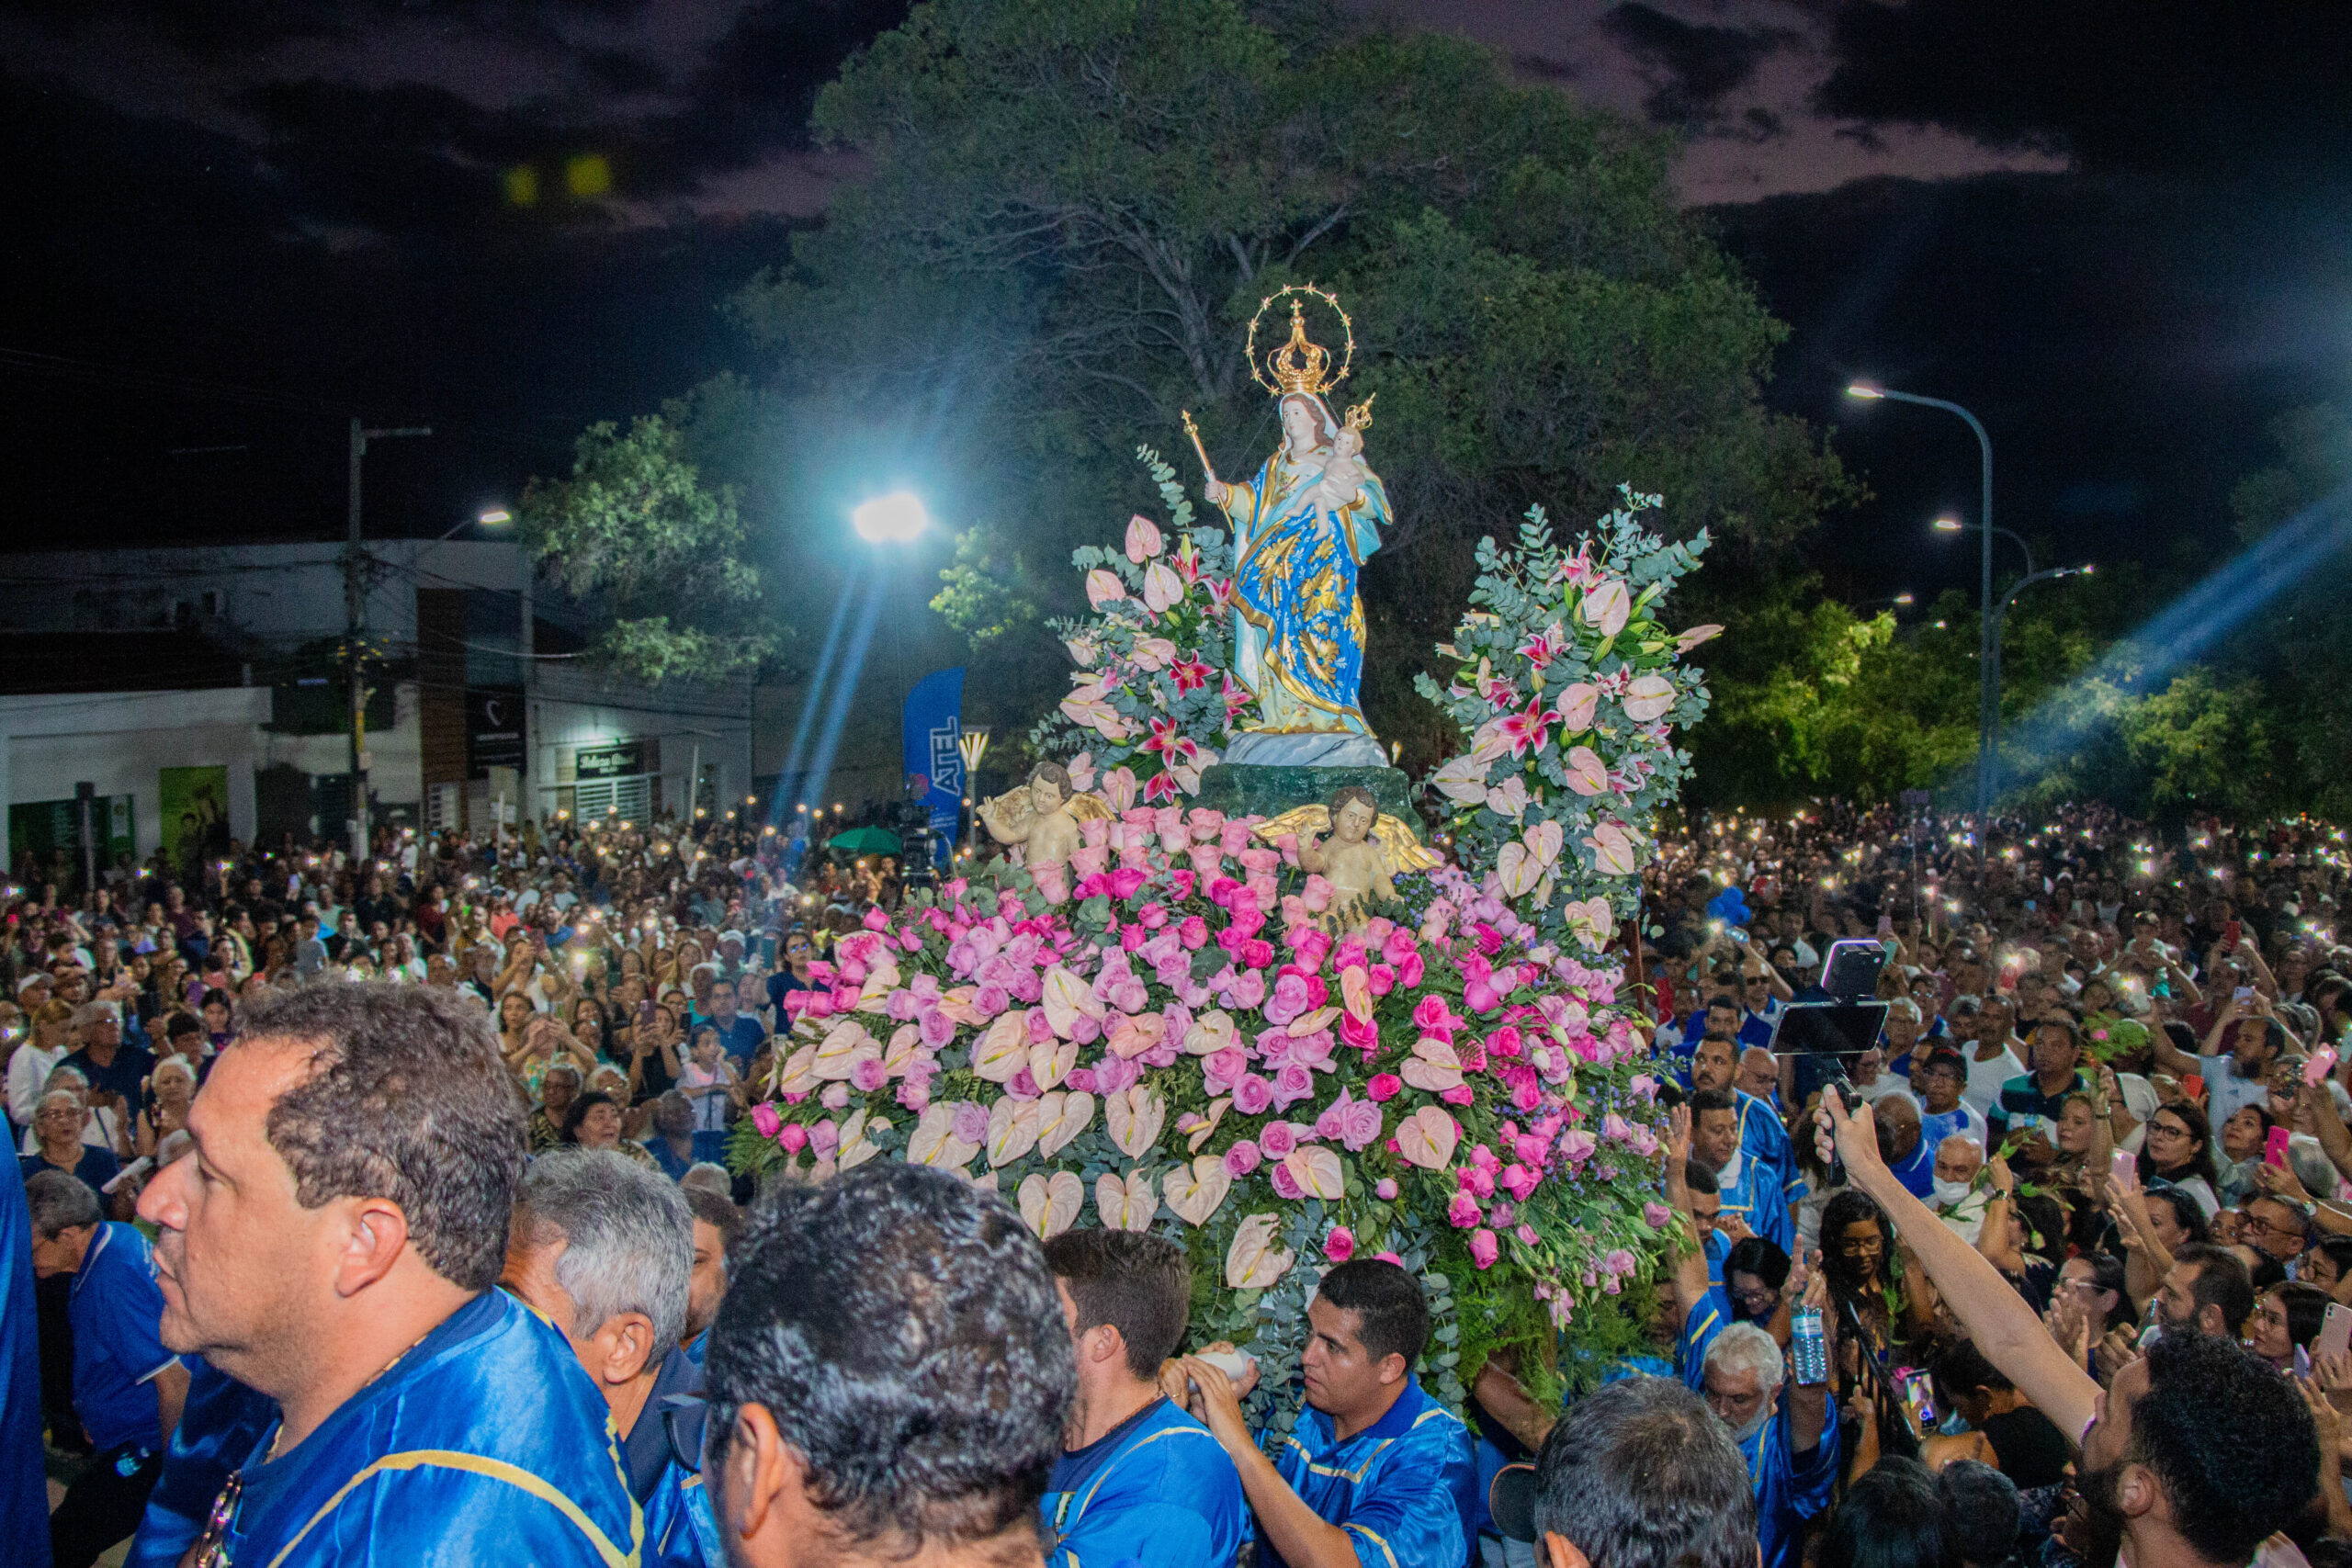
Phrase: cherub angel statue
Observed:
(1040, 820)
(1367, 849)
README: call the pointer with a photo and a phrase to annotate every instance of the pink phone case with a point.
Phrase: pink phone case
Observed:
(2274, 1147)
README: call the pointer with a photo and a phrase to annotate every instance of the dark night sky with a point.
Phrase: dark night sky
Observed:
(2116, 229)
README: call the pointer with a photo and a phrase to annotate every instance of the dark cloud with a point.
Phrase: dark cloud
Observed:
(2248, 89)
(1699, 64)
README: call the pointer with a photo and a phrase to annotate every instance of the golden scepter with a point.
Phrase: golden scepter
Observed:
(1194, 431)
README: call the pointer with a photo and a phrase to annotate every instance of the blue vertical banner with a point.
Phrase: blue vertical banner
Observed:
(932, 725)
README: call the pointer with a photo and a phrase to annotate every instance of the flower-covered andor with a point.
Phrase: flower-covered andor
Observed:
(1569, 690)
(1181, 1046)
(1151, 702)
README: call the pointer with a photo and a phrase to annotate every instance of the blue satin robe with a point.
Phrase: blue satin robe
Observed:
(486, 1443)
(1167, 1497)
(1299, 625)
(681, 1530)
(1402, 1488)
(221, 1422)
(24, 1486)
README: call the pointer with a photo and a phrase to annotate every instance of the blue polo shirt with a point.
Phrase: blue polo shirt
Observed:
(1156, 1491)
(1402, 1488)
(222, 1421)
(115, 1310)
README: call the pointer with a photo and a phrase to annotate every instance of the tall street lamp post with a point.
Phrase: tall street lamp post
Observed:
(2048, 574)
(1984, 714)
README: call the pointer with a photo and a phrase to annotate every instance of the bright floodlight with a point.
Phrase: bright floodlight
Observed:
(895, 519)
(1948, 525)
(495, 515)
(1863, 390)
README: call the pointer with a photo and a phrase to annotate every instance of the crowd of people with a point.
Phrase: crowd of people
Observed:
(2058, 1270)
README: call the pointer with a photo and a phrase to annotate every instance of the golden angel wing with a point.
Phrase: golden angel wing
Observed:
(1405, 853)
(1299, 821)
(1089, 807)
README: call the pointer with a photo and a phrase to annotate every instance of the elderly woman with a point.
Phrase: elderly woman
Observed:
(172, 1085)
(595, 1122)
(558, 1088)
(58, 1145)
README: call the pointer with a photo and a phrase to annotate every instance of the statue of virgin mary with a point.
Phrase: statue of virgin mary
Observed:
(1302, 527)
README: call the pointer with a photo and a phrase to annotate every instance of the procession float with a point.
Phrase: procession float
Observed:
(1223, 984)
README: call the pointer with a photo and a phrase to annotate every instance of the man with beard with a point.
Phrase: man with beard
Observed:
(2206, 1291)
(1779, 1426)
(2237, 1076)
(2196, 1455)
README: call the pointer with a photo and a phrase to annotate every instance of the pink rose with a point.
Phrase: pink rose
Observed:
(1384, 1086)
(1384, 1190)
(1517, 1180)
(834, 1097)
(1294, 1083)
(792, 1137)
(1194, 932)
(1242, 1158)
(1485, 1248)
(1277, 1139)
(971, 1123)
(1654, 1216)
(765, 1118)
(1431, 1014)
(1286, 1185)
(1464, 1211)
(1527, 1234)
(1474, 1181)
(1340, 1245)
(1252, 1095)
(868, 1074)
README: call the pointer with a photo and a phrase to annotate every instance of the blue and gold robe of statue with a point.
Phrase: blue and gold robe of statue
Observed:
(219, 1426)
(1299, 632)
(1402, 1488)
(1160, 1493)
(486, 1443)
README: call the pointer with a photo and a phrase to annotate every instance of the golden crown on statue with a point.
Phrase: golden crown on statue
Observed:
(1299, 365)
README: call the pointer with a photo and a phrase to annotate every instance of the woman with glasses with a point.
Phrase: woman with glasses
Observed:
(2179, 1152)
(2286, 1319)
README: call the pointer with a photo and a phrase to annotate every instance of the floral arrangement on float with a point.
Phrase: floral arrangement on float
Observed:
(1570, 689)
(1182, 1035)
(1153, 701)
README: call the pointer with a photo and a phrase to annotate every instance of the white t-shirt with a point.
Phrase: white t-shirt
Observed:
(1985, 1078)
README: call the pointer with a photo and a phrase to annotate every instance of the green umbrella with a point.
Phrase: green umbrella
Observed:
(865, 841)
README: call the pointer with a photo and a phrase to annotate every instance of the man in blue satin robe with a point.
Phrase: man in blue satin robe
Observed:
(1752, 1193)
(1763, 1140)
(332, 1243)
(1784, 1435)
(24, 1487)
(221, 1423)
(1141, 1481)
(1373, 1465)
(832, 1442)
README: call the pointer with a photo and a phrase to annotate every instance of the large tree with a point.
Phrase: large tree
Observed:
(1069, 211)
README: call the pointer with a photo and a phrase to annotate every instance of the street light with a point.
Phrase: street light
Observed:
(1955, 526)
(898, 518)
(1985, 715)
(1993, 673)
(489, 517)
